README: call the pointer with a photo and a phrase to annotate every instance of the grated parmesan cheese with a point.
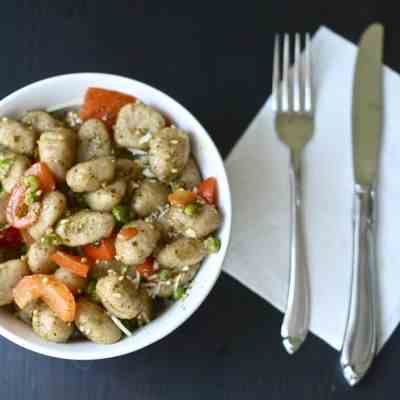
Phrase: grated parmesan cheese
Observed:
(137, 152)
(148, 173)
(146, 138)
(191, 233)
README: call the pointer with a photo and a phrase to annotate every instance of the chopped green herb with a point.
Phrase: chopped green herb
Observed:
(24, 249)
(179, 293)
(175, 185)
(5, 165)
(91, 289)
(164, 275)
(51, 239)
(31, 182)
(212, 244)
(192, 209)
(130, 156)
(3, 225)
(32, 196)
(122, 213)
(33, 192)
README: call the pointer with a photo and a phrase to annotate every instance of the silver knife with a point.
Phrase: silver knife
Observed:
(359, 345)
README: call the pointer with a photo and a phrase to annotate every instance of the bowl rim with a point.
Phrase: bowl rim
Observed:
(98, 355)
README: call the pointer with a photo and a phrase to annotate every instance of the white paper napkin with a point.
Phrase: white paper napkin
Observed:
(258, 172)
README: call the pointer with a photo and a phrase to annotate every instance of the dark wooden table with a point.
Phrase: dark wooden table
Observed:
(215, 58)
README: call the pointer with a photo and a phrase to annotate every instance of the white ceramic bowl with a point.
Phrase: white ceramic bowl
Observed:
(70, 89)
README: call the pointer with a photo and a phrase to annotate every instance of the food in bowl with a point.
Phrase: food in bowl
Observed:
(104, 216)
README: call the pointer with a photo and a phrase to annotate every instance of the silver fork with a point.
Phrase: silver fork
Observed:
(294, 122)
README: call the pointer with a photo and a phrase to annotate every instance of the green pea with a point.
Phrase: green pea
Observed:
(122, 213)
(51, 239)
(164, 275)
(212, 244)
(192, 209)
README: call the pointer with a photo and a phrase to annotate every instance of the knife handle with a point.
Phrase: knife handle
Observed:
(359, 344)
(296, 320)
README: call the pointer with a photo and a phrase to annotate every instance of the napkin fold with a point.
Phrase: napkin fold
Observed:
(259, 177)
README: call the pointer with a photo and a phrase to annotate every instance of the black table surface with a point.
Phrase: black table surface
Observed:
(215, 58)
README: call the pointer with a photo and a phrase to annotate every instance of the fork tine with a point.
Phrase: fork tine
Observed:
(308, 100)
(285, 74)
(275, 77)
(296, 74)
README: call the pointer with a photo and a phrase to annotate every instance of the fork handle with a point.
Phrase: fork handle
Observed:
(359, 344)
(297, 316)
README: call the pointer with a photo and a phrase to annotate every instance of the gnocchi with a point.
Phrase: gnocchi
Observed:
(47, 325)
(135, 125)
(95, 324)
(134, 250)
(94, 140)
(107, 197)
(119, 296)
(17, 137)
(169, 153)
(40, 121)
(53, 207)
(104, 218)
(11, 272)
(149, 197)
(38, 258)
(57, 148)
(90, 175)
(12, 169)
(85, 227)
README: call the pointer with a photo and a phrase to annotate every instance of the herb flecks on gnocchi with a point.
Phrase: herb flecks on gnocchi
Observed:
(104, 217)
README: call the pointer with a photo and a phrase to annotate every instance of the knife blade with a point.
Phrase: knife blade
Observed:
(359, 343)
(367, 105)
